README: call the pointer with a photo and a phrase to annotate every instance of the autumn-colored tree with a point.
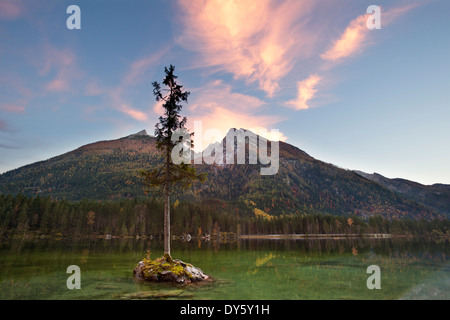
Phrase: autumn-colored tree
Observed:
(350, 223)
(90, 218)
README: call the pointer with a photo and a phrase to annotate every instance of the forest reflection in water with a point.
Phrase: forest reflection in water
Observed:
(411, 268)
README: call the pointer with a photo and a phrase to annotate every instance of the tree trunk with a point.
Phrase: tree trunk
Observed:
(167, 212)
(166, 223)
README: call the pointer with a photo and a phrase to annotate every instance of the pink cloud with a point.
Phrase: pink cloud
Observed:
(391, 15)
(255, 40)
(13, 108)
(11, 9)
(133, 113)
(118, 103)
(158, 108)
(351, 41)
(218, 94)
(93, 89)
(135, 73)
(55, 59)
(355, 38)
(61, 65)
(139, 67)
(3, 125)
(306, 90)
(219, 108)
(16, 83)
(220, 120)
(58, 85)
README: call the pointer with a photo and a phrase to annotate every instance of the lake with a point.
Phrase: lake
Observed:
(256, 269)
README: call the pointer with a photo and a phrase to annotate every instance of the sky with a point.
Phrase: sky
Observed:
(375, 100)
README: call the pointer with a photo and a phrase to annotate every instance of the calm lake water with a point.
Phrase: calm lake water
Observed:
(248, 269)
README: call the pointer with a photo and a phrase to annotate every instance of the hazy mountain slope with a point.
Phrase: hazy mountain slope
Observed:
(101, 170)
(436, 196)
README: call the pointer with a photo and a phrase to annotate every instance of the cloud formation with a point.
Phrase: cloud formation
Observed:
(306, 90)
(136, 73)
(219, 109)
(93, 88)
(353, 40)
(3, 125)
(258, 41)
(138, 68)
(11, 9)
(133, 113)
(60, 64)
(5, 146)
(12, 108)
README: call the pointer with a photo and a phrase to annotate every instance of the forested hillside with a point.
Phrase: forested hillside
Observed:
(436, 196)
(109, 171)
(21, 216)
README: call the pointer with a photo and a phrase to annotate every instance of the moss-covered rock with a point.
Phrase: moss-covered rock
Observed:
(167, 269)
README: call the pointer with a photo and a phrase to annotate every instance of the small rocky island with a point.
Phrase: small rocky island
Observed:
(167, 269)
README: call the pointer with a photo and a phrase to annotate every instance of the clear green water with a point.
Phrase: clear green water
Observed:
(250, 269)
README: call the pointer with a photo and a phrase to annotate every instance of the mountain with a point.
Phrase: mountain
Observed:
(109, 170)
(102, 170)
(436, 196)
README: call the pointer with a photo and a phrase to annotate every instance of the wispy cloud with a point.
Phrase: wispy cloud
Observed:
(389, 16)
(60, 64)
(15, 84)
(11, 9)
(219, 94)
(219, 109)
(261, 41)
(353, 40)
(117, 101)
(306, 90)
(133, 113)
(255, 40)
(220, 120)
(137, 69)
(5, 146)
(59, 84)
(136, 73)
(12, 108)
(3, 125)
(93, 88)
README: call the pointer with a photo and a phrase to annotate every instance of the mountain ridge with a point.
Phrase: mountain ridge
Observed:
(436, 196)
(109, 170)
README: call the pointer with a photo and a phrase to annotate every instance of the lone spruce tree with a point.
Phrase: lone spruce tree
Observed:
(169, 175)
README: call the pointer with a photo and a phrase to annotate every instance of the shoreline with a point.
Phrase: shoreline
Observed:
(324, 236)
(336, 236)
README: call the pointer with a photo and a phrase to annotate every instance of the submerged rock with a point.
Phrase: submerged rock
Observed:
(142, 295)
(168, 269)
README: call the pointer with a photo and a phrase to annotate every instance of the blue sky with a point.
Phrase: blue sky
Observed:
(370, 100)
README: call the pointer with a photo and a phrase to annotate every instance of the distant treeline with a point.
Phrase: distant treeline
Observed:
(20, 216)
